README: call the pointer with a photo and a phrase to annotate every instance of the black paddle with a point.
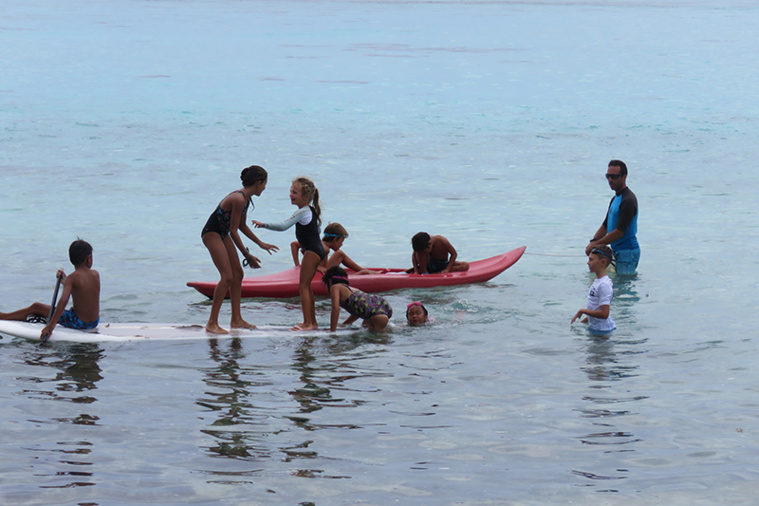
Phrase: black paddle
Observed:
(59, 278)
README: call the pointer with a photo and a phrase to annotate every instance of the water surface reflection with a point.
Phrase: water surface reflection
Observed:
(268, 407)
(611, 365)
(228, 388)
(76, 372)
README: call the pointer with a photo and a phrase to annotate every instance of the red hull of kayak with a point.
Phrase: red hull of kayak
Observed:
(285, 284)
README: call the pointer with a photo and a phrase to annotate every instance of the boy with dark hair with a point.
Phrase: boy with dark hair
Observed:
(434, 254)
(82, 285)
(596, 310)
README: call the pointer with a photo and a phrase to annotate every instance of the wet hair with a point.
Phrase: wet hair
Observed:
(620, 164)
(312, 192)
(253, 174)
(416, 303)
(420, 241)
(78, 251)
(333, 232)
(335, 274)
(605, 253)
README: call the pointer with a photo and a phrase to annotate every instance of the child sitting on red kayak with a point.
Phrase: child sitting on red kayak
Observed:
(434, 254)
(332, 240)
(372, 308)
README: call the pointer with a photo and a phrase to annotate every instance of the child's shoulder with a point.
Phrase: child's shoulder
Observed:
(343, 289)
(604, 280)
(236, 195)
(83, 276)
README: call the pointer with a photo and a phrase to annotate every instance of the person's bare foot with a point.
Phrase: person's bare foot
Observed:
(215, 329)
(303, 326)
(242, 324)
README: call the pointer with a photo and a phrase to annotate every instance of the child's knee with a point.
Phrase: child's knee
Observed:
(227, 275)
(379, 322)
(39, 308)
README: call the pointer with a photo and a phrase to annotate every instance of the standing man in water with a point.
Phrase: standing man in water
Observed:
(620, 226)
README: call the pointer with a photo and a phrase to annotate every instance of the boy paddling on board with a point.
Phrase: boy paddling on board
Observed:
(82, 286)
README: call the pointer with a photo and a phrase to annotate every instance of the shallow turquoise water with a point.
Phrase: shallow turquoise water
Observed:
(489, 122)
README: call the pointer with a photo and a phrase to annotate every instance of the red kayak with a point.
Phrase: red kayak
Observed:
(285, 284)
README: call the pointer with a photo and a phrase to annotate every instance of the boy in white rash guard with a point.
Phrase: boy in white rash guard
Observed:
(600, 295)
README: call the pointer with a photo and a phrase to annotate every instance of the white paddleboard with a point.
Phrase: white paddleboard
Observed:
(117, 332)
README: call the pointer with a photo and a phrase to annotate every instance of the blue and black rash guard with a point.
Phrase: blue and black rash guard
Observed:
(623, 215)
(306, 230)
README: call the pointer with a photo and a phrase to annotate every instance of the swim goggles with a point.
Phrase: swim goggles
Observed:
(599, 252)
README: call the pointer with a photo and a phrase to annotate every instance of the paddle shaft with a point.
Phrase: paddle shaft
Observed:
(59, 278)
(55, 297)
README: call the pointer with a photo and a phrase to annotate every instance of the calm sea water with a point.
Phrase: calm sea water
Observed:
(125, 122)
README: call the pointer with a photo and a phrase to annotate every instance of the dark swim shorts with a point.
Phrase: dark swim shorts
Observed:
(70, 320)
(434, 265)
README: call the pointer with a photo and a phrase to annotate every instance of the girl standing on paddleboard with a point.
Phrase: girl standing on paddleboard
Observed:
(221, 235)
(304, 195)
